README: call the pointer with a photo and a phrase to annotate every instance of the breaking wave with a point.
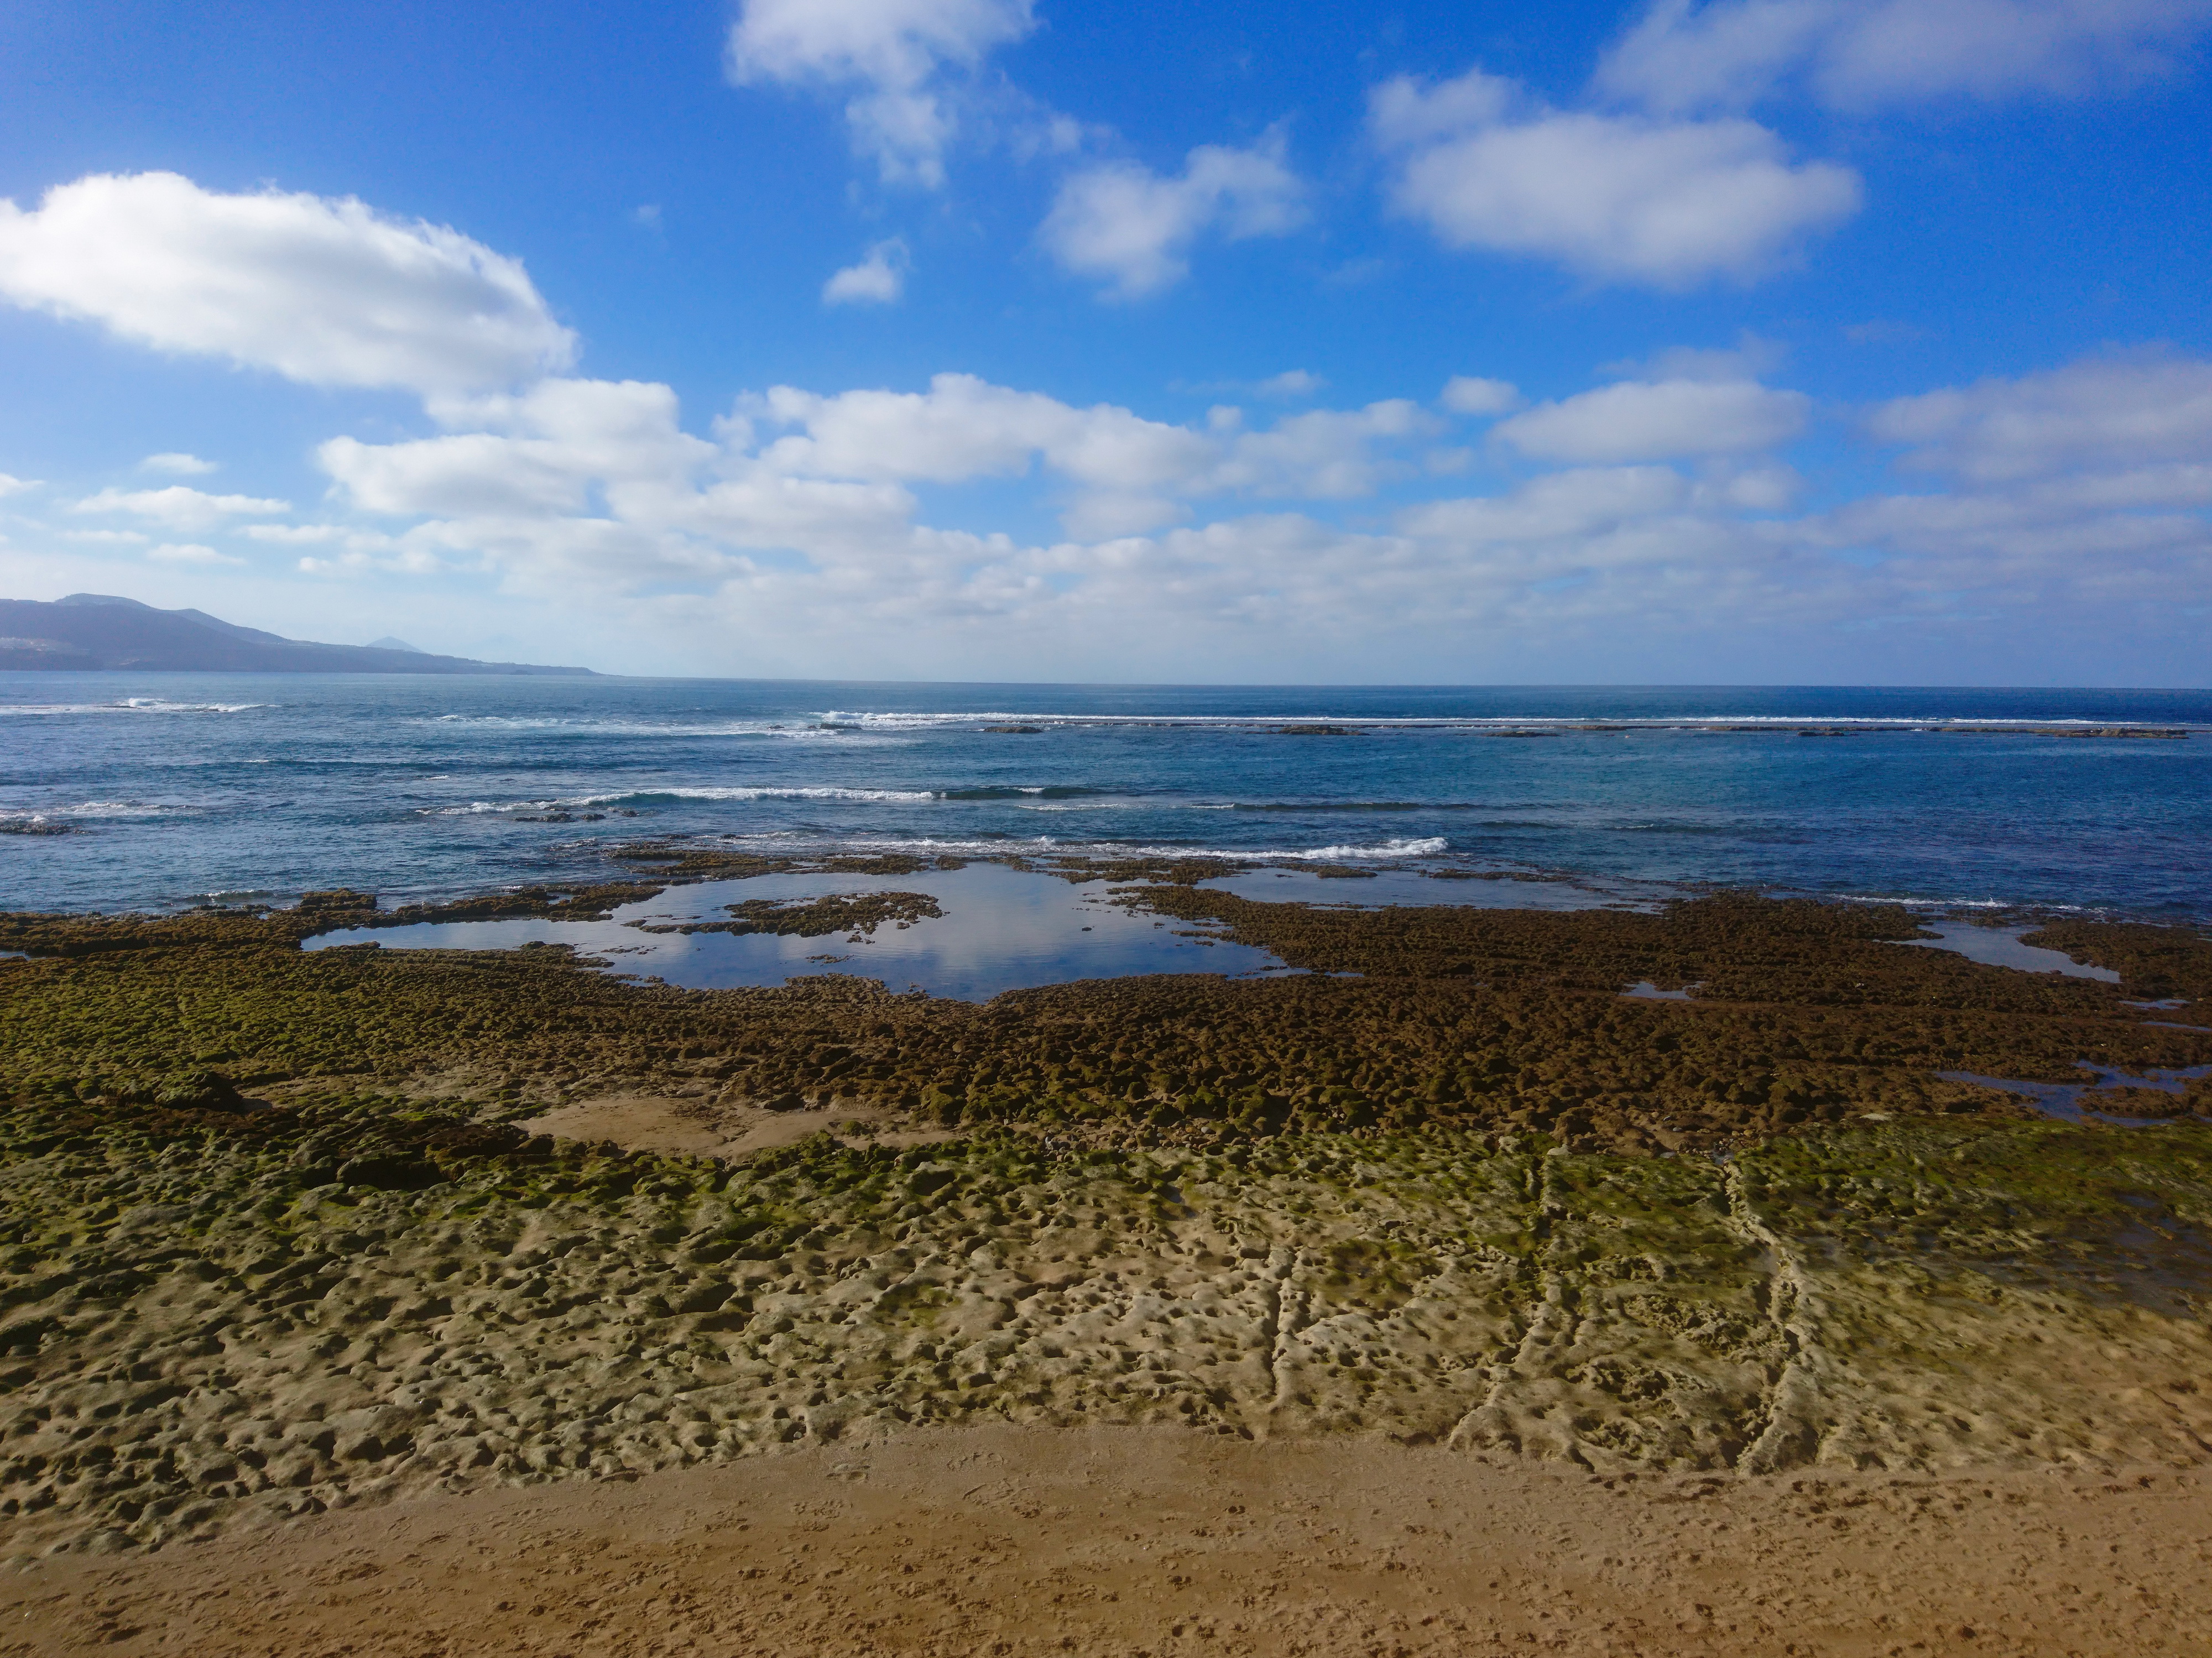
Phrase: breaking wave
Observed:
(133, 705)
(572, 726)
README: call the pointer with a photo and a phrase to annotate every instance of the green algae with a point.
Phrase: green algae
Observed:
(193, 1307)
(1806, 1015)
(268, 1241)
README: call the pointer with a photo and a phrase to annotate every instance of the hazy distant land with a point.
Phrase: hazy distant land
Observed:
(87, 631)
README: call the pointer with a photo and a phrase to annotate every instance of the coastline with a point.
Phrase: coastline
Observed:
(283, 1238)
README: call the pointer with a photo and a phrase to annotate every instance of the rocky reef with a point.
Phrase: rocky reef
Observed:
(270, 1241)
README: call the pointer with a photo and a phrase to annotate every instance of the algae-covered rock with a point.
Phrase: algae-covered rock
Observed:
(1473, 1197)
(204, 1089)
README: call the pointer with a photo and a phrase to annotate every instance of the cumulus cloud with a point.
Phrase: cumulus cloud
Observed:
(1130, 472)
(1648, 509)
(2060, 495)
(177, 464)
(1470, 394)
(596, 478)
(322, 290)
(961, 427)
(1863, 54)
(1644, 420)
(540, 452)
(879, 279)
(180, 507)
(1326, 454)
(470, 474)
(1625, 198)
(900, 57)
(1292, 383)
(597, 481)
(2102, 414)
(11, 485)
(1578, 502)
(1132, 229)
(170, 552)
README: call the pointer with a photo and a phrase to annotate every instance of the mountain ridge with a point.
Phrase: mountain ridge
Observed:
(93, 631)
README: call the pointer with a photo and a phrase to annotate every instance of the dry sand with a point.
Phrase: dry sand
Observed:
(1158, 1541)
(702, 1125)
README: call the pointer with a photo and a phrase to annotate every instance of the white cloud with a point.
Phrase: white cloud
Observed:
(177, 464)
(1292, 383)
(794, 538)
(1404, 113)
(897, 53)
(107, 537)
(961, 427)
(1862, 54)
(1750, 358)
(1678, 58)
(879, 279)
(11, 485)
(293, 534)
(1132, 472)
(545, 452)
(592, 475)
(2103, 414)
(1571, 503)
(1102, 515)
(2070, 492)
(1643, 419)
(596, 481)
(1325, 454)
(469, 474)
(180, 507)
(1468, 394)
(1624, 199)
(1126, 225)
(190, 553)
(326, 291)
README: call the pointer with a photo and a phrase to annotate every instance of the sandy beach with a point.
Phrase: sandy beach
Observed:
(1123, 1541)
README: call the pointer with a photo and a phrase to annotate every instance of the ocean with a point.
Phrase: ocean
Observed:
(181, 789)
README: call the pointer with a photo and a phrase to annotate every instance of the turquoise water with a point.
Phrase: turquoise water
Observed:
(179, 788)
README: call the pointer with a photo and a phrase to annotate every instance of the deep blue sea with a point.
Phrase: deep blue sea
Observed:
(181, 788)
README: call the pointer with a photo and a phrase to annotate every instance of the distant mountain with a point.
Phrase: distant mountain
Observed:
(94, 630)
(388, 643)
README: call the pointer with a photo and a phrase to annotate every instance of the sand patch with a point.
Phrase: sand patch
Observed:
(677, 1125)
(998, 1539)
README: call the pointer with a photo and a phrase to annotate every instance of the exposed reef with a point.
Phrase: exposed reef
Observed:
(270, 1240)
(856, 914)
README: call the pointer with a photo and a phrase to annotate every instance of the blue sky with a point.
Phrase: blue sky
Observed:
(1741, 340)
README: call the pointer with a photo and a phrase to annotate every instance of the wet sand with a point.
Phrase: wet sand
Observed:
(1011, 1541)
